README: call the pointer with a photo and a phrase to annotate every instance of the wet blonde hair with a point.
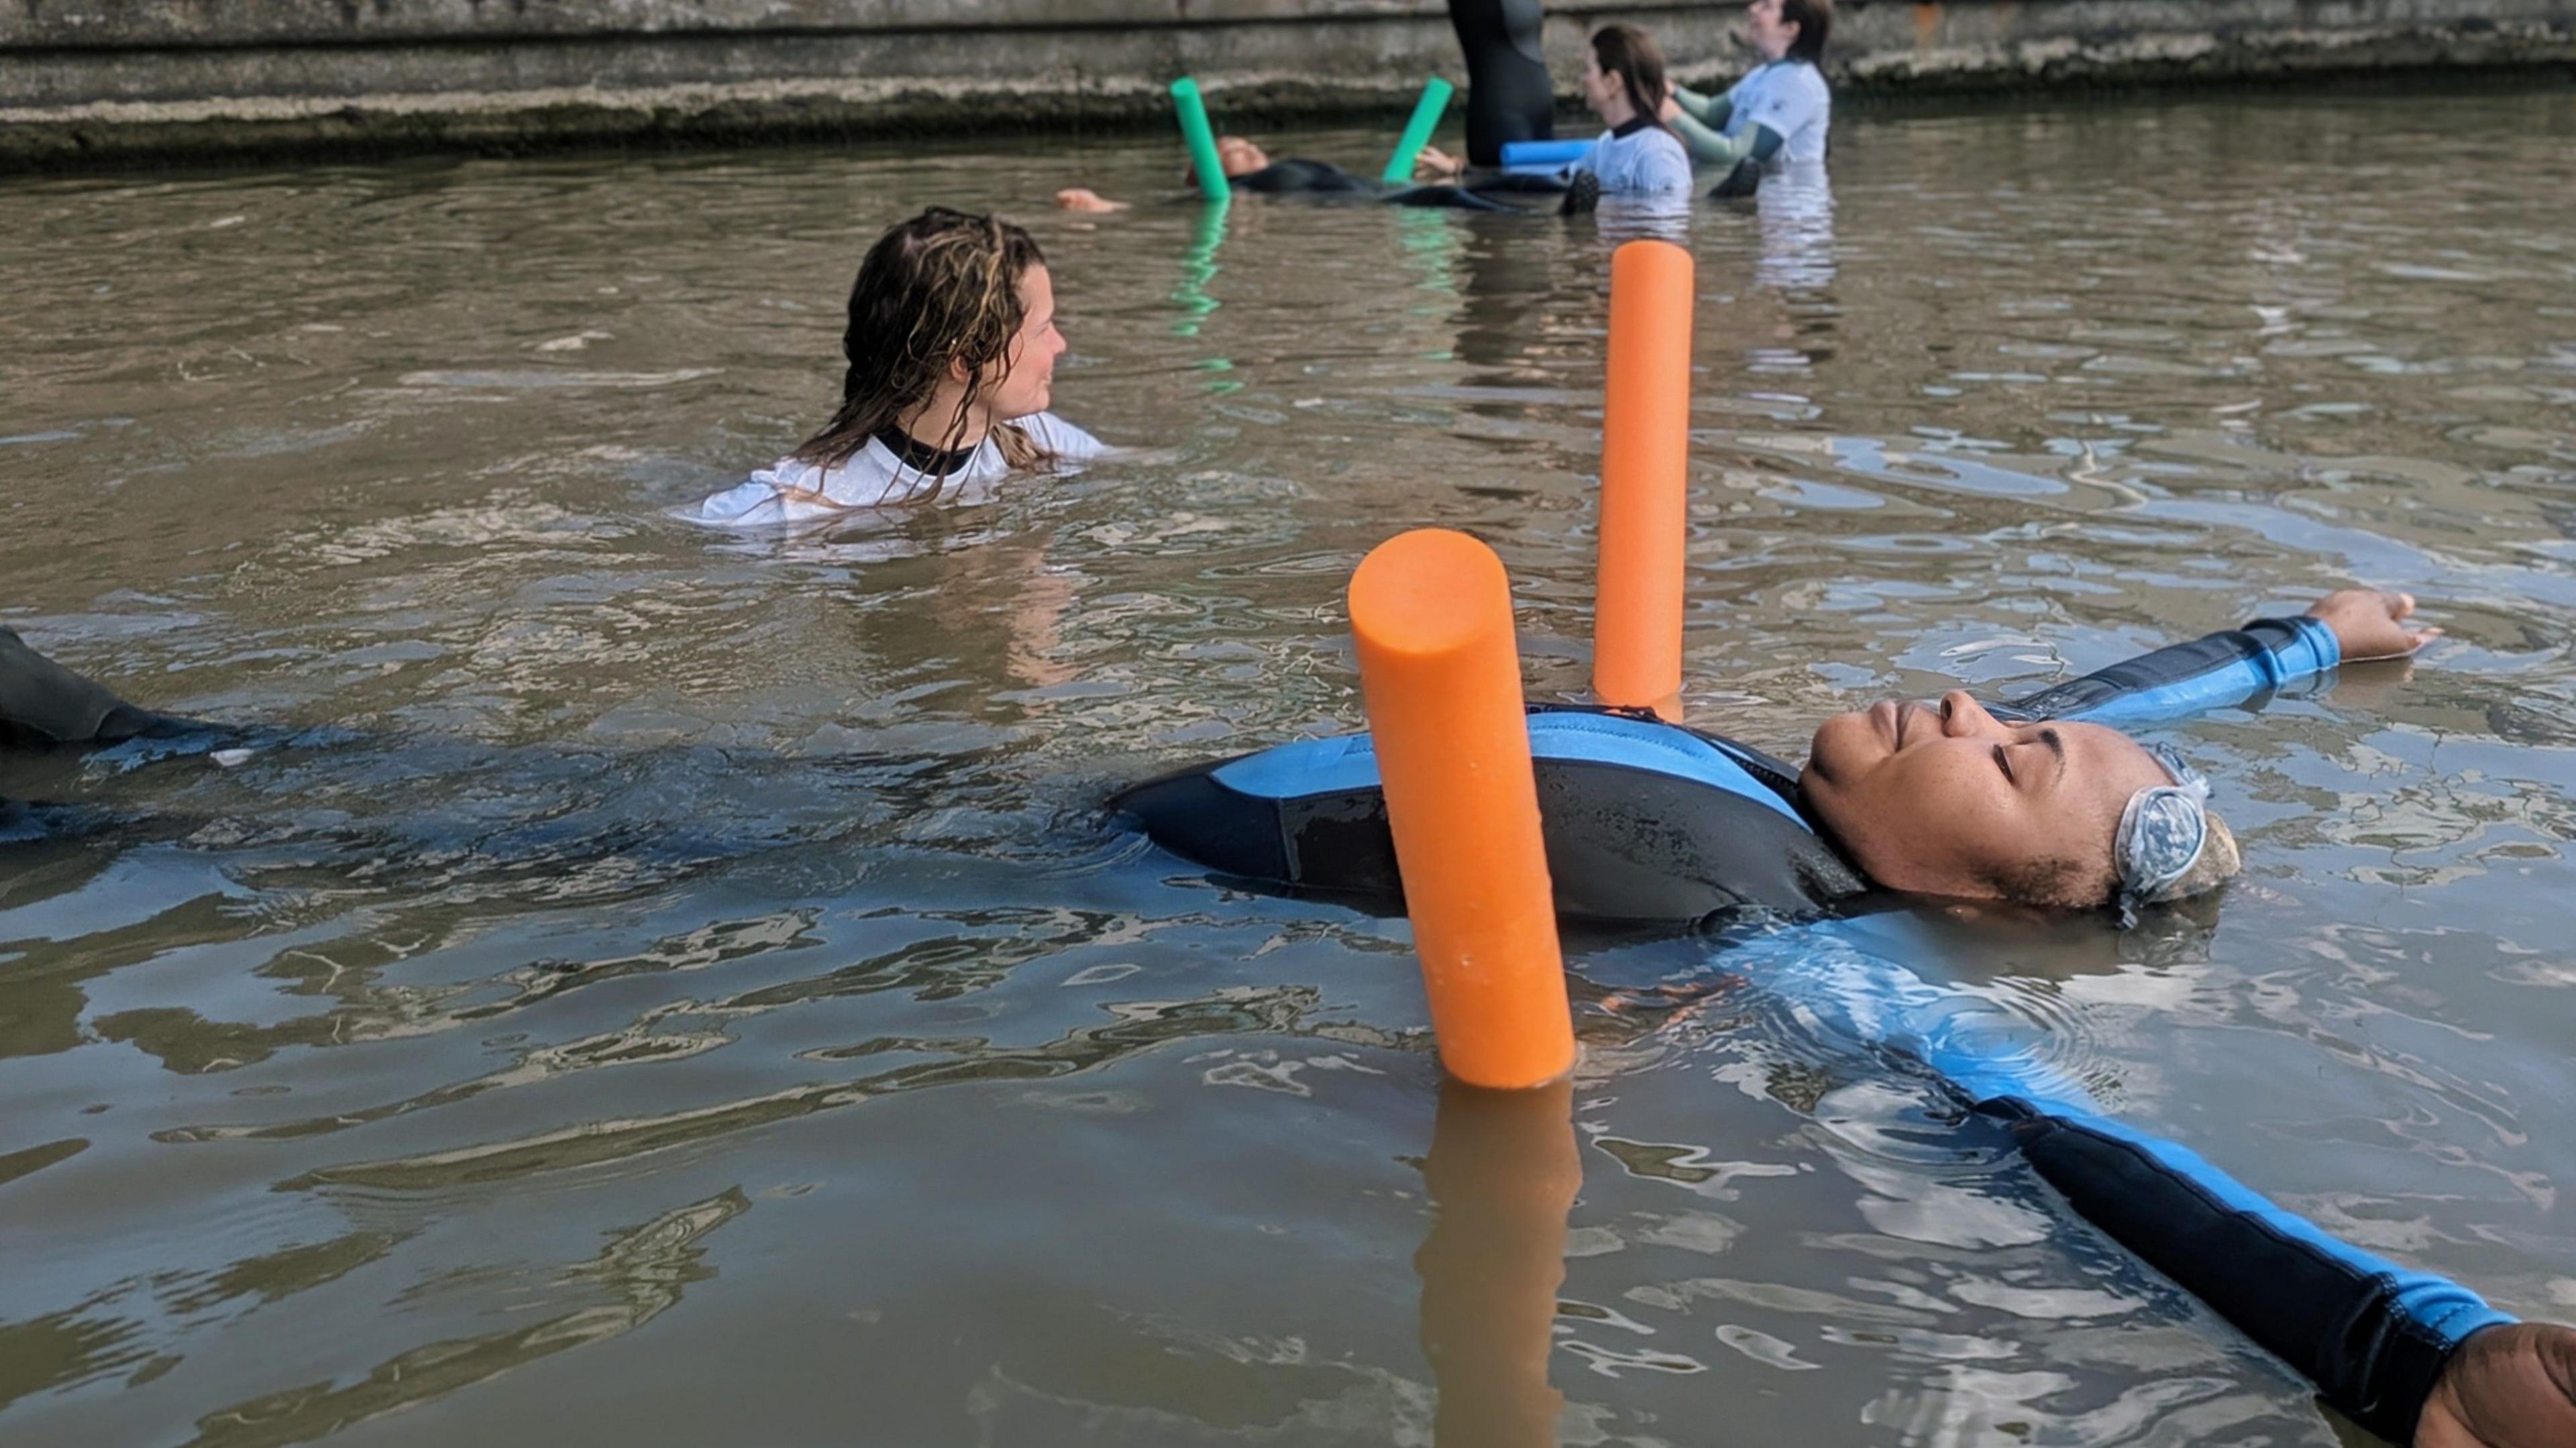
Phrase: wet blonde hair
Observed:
(942, 287)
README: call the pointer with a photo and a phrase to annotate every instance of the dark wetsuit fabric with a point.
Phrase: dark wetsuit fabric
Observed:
(1510, 96)
(1295, 175)
(2373, 1336)
(43, 704)
(1298, 176)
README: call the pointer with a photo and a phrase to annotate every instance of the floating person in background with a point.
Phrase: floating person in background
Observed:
(1249, 168)
(1623, 83)
(2038, 802)
(1779, 114)
(952, 344)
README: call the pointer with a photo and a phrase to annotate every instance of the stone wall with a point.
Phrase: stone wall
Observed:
(90, 82)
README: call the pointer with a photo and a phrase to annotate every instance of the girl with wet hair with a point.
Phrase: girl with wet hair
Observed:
(951, 346)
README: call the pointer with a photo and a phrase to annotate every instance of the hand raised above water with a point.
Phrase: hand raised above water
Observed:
(2370, 623)
(2512, 1386)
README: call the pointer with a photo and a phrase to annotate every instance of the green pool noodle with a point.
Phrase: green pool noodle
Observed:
(1417, 132)
(1201, 138)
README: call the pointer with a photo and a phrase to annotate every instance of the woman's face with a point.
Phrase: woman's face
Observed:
(1029, 384)
(1766, 32)
(1950, 800)
(1240, 157)
(1601, 90)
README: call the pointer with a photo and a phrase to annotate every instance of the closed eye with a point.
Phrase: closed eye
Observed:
(2003, 762)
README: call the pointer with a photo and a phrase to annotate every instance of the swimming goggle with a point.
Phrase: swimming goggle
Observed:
(2163, 831)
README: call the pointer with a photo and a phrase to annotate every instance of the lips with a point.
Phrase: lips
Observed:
(1889, 718)
(1894, 717)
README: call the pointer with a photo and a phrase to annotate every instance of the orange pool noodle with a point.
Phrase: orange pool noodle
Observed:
(1645, 468)
(1432, 612)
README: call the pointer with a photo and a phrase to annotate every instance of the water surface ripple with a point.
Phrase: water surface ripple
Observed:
(651, 987)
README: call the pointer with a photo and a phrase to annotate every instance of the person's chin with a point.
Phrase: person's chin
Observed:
(1840, 746)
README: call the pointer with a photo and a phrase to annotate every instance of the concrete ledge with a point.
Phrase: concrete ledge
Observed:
(87, 83)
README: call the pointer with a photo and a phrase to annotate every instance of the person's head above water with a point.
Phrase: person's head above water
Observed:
(1623, 75)
(1946, 799)
(951, 332)
(1789, 29)
(1237, 156)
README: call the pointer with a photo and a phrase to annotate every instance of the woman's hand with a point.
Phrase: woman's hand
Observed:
(1669, 109)
(1433, 162)
(2512, 1386)
(2370, 623)
(1083, 198)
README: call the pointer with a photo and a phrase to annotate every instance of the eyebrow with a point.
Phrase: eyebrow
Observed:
(2057, 747)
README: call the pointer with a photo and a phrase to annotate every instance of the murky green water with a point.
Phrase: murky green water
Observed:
(677, 989)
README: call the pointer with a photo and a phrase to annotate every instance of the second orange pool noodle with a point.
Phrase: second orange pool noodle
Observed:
(1645, 471)
(1439, 665)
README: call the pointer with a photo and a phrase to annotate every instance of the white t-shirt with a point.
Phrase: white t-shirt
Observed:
(1790, 97)
(1645, 161)
(793, 491)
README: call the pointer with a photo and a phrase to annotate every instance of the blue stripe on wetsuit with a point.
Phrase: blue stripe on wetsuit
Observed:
(2372, 1335)
(2207, 673)
(1334, 766)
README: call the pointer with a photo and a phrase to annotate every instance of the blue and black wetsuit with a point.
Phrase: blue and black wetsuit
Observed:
(1643, 817)
(1647, 821)
(2372, 1336)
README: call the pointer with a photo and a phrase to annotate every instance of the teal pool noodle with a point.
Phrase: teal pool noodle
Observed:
(1417, 132)
(1201, 138)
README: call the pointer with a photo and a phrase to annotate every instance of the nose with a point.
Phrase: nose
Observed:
(1962, 717)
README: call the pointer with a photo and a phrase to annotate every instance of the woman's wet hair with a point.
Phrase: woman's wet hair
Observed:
(1631, 55)
(942, 287)
(1815, 21)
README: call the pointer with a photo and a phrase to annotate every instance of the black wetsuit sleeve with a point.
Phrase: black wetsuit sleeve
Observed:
(1294, 175)
(2372, 1336)
(2207, 673)
(42, 703)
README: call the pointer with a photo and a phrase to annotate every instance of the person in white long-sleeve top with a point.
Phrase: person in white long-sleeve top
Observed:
(1623, 82)
(952, 345)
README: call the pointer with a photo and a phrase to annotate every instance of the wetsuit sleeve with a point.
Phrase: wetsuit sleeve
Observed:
(1711, 147)
(2207, 673)
(43, 703)
(2371, 1335)
(1709, 111)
